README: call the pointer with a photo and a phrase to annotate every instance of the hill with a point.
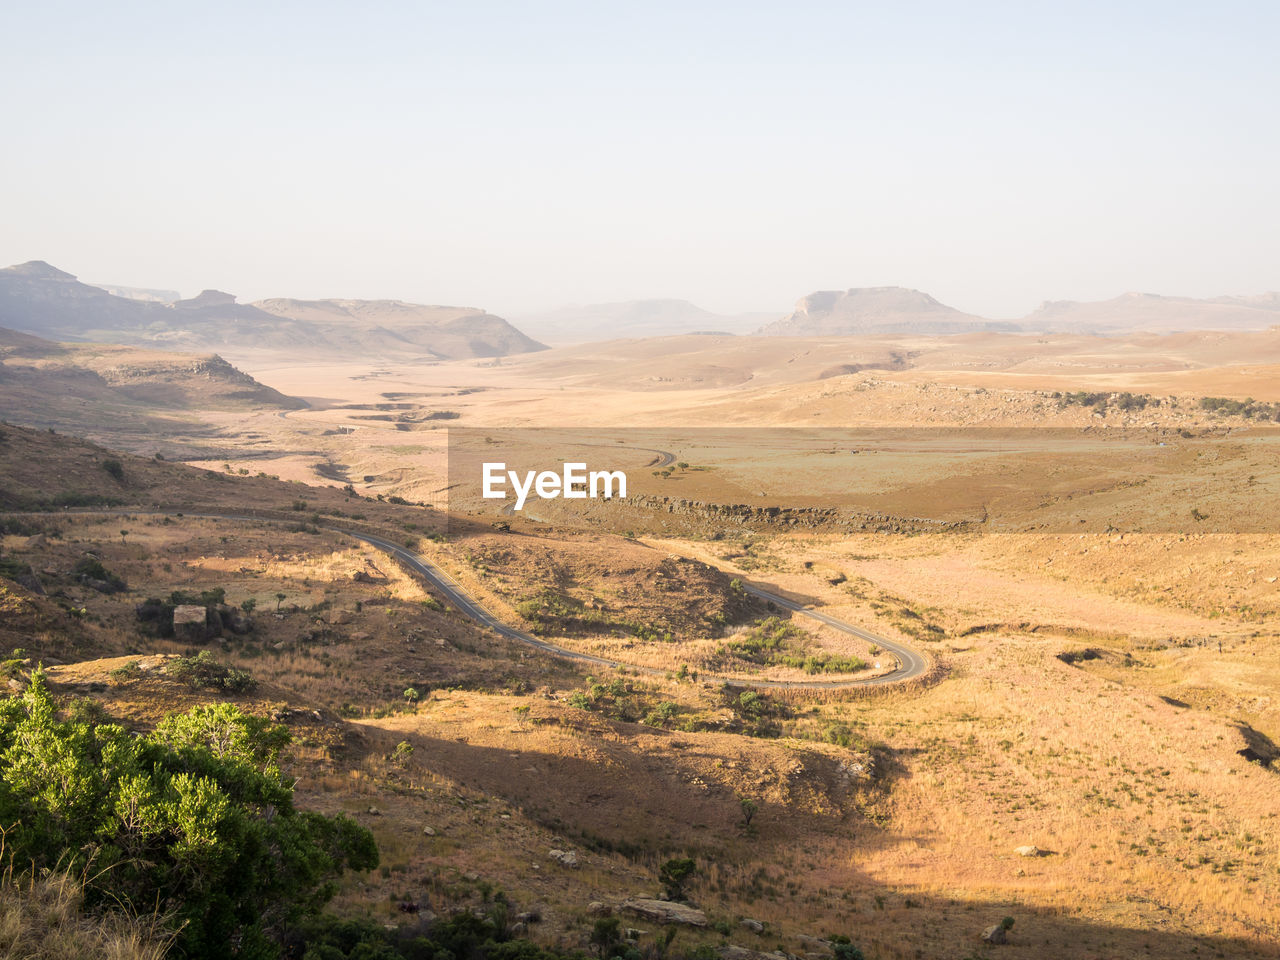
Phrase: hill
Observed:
(633, 318)
(394, 326)
(40, 299)
(129, 396)
(876, 311)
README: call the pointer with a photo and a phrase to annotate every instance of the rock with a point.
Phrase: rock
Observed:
(471, 877)
(665, 911)
(1027, 851)
(191, 622)
(565, 858)
(732, 952)
(995, 934)
(634, 934)
(428, 832)
(598, 909)
(375, 812)
(755, 926)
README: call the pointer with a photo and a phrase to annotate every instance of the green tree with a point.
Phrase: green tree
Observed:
(279, 600)
(674, 874)
(606, 936)
(749, 808)
(194, 820)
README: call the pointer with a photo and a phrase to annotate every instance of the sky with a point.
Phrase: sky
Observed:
(520, 156)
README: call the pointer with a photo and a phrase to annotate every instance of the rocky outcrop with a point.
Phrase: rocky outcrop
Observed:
(665, 911)
(191, 623)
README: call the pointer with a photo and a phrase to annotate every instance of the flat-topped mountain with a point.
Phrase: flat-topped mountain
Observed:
(865, 311)
(40, 299)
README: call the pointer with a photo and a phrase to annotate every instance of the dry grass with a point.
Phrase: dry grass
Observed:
(44, 919)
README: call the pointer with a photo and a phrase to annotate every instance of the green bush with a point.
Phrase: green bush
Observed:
(204, 672)
(91, 568)
(194, 820)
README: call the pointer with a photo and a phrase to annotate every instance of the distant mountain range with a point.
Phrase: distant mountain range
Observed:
(1151, 313)
(633, 318)
(40, 299)
(43, 300)
(900, 311)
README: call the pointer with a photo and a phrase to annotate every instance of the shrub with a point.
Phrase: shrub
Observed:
(91, 569)
(126, 672)
(204, 672)
(194, 820)
(115, 468)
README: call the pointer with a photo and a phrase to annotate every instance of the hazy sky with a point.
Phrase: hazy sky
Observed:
(521, 156)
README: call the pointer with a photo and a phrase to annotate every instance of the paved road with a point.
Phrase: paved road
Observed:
(910, 664)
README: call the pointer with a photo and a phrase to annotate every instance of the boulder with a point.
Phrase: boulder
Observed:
(428, 832)
(598, 909)
(191, 622)
(566, 858)
(995, 934)
(665, 911)
(1027, 851)
(755, 926)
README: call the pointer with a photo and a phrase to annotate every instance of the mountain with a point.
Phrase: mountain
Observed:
(633, 318)
(1152, 313)
(140, 293)
(865, 311)
(40, 299)
(396, 326)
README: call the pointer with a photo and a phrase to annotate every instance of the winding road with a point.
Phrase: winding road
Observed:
(910, 664)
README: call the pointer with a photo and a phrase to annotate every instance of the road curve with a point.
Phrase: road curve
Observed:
(910, 664)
